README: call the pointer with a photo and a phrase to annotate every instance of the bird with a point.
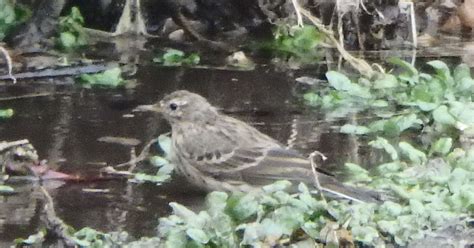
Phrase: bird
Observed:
(217, 152)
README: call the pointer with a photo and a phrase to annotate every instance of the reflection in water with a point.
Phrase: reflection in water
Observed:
(65, 127)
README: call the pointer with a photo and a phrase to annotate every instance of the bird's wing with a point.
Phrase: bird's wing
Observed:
(264, 164)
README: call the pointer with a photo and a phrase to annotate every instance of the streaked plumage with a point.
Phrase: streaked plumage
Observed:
(218, 152)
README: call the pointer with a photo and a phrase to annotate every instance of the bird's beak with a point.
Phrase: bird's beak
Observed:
(145, 108)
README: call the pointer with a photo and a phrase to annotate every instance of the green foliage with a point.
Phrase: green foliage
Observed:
(5, 189)
(297, 43)
(71, 30)
(35, 239)
(10, 16)
(443, 99)
(165, 168)
(110, 78)
(173, 57)
(6, 113)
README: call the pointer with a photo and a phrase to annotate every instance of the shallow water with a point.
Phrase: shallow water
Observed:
(64, 127)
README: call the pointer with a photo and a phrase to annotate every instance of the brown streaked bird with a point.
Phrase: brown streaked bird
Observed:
(218, 152)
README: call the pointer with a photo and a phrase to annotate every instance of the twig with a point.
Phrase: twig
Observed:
(299, 18)
(8, 59)
(54, 223)
(68, 71)
(359, 64)
(9, 98)
(6, 145)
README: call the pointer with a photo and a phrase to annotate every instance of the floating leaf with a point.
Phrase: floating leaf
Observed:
(381, 143)
(341, 82)
(6, 189)
(108, 78)
(357, 173)
(442, 146)
(442, 116)
(197, 235)
(415, 155)
(353, 129)
(6, 113)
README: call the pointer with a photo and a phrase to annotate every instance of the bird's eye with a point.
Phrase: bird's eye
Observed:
(173, 106)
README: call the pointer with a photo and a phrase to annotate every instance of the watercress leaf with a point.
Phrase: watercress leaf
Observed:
(442, 146)
(6, 113)
(458, 178)
(414, 155)
(442, 71)
(461, 72)
(442, 116)
(353, 129)
(197, 235)
(381, 143)
(341, 82)
(357, 173)
(385, 81)
(365, 234)
(312, 99)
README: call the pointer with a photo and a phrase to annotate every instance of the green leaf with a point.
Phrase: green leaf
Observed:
(158, 161)
(416, 156)
(216, 201)
(6, 189)
(442, 70)
(442, 116)
(353, 129)
(458, 178)
(341, 82)
(387, 168)
(381, 143)
(417, 207)
(462, 71)
(442, 146)
(71, 30)
(312, 99)
(6, 113)
(109, 78)
(183, 212)
(390, 209)
(165, 144)
(35, 239)
(386, 81)
(277, 186)
(357, 173)
(365, 234)
(198, 235)
(174, 57)
(241, 208)
(288, 218)
(67, 39)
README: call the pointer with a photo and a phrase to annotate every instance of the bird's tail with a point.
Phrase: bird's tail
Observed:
(337, 189)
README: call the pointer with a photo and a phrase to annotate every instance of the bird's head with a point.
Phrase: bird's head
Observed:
(184, 106)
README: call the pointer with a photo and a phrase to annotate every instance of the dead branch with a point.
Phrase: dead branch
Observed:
(8, 60)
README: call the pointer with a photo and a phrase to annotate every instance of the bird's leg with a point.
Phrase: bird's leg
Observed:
(315, 173)
(143, 155)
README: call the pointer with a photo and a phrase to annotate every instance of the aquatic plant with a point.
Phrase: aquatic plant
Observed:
(110, 78)
(295, 43)
(11, 15)
(71, 30)
(174, 57)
